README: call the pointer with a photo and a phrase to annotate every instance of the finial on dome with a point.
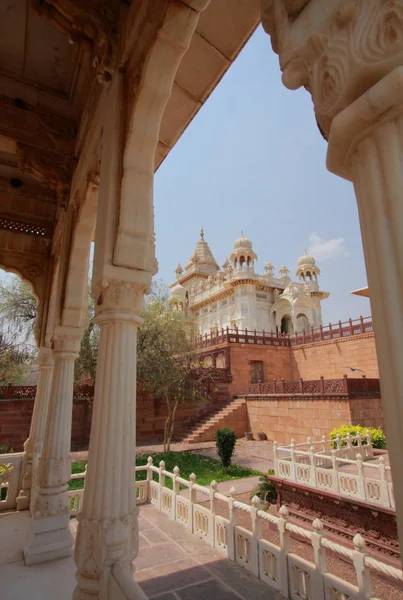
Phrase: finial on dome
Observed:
(242, 235)
(202, 233)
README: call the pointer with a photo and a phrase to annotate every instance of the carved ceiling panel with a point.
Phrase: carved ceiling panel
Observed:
(32, 48)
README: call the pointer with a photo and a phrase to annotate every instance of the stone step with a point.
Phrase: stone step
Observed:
(205, 430)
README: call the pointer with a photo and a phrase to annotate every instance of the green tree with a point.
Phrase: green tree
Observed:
(167, 364)
(86, 363)
(17, 321)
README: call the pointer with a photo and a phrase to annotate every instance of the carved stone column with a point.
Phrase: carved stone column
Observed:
(50, 536)
(349, 56)
(108, 529)
(33, 444)
(366, 146)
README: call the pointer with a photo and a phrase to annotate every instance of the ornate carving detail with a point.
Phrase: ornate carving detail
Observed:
(358, 44)
(341, 516)
(99, 544)
(34, 270)
(68, 342)
(50, 169)
(52, 498)
(26, 124)
(90, 24)
(112, 294)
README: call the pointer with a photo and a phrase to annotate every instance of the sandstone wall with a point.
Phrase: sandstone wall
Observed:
(276, 361)
(15, 418)
(329, 359)
(286, 418)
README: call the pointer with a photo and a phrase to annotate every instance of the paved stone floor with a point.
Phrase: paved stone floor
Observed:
(174, 564)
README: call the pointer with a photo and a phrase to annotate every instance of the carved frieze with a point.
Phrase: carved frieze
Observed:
(52, 170)
(26, 124)
(355, 43)
(92, 24)
(119, 295)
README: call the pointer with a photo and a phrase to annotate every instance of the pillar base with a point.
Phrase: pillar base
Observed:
(50, 539)
(23, 500)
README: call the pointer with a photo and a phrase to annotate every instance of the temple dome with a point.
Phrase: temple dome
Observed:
(306, 260)
(242, 243)
(178, 292)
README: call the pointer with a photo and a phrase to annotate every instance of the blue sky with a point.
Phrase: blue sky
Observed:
(253, 159)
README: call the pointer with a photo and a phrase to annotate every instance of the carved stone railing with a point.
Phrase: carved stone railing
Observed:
(274, 563)
(10, 479)
(339, 466)
(269, 338)
(27, 392)
(349, 387)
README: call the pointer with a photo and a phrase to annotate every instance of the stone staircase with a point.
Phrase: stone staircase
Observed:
(232, 415)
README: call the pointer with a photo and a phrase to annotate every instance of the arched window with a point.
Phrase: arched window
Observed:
(286, 324)
(241, 260)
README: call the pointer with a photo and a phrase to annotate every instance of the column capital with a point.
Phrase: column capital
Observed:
(380, 104)
(118, 299)
(67, 340)
(45, 358)
(337, 50)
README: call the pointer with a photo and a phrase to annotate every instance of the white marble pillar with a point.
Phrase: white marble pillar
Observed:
(50, 536)
(108, 528)
(366, 146)
(33, 445)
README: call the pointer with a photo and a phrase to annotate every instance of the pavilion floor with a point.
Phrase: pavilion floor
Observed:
(173, 564)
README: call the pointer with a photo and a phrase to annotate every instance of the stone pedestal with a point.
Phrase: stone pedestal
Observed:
(107, 531)
(50, 536)
(33, 445)
(366, 146)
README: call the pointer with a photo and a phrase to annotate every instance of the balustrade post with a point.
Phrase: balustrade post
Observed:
(370, 450)
(384, 485)
(362, 327)
(227, 331)
(321, 332)
(330, 331)
(366, 388)
(345, 384)
(340, 329)
(284, 550)
(338, 443)
(257, 534)
(149, 477)
(313, 466)
(275, 386)
(362, 571)
(292, 459)
(322, 384)
(301, 386)
(318, 590)
(50, 533)
(312, 334)
(361, 484)
(161, 476)
(351, 326)
(33, 445)
(232, 524)
(213, 502)
(335, 475)
(324, 444)
(350, 450)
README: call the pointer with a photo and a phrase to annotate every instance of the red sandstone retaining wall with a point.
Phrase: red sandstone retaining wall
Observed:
(285, 418)
(330, 359)
(15, 417)
(276, 363)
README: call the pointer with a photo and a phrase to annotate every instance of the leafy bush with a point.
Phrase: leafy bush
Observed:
(6, 448)
(225, 440)
(266, 490)
(378, 439)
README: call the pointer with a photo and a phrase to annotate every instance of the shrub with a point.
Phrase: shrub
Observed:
(266, 490)
(225, 441)
(6, 448)
(378, 439)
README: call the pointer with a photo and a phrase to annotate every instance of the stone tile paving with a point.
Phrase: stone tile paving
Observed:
(174, 564)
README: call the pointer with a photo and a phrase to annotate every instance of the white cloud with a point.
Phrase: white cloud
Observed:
(322, 249)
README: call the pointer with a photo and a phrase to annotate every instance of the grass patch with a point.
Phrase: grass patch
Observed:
(205, 468)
